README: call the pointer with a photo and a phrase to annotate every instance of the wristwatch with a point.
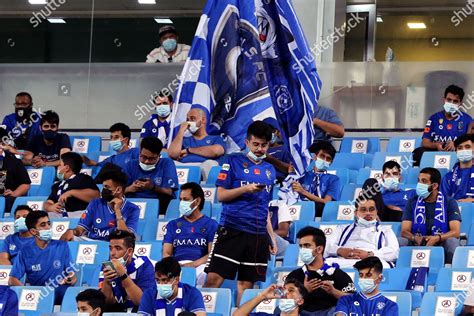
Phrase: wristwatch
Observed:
(370, 254)
(124, 276)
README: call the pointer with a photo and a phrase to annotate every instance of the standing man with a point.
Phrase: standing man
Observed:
(158, 125)
(327, 124)
(13, 244)
(244, 187)
(170, 50)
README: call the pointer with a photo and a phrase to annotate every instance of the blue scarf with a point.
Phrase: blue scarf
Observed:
(119, 292)
(465, 185)
(325, 269)
(160, 303)
(417, 279)
(440, 223)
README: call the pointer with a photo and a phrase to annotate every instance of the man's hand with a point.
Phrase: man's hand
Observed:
(361, 254)
(253, 188)
(296, 186)
(9, 193)
(439, 147)
(116, 204)
(134, 187)
(311, 285)
(144, 185)
(269, 292)
(64, 197)
(328, 286)
(88, 162)
(431, 240)
(68, 280)
(121, 270)
(57, 208)
(37, 162)
(109, 274)
(418, 240)
(347, 253)
(183, 127)
(273, 246)
(450, 147)
(183, 153)
(68, 235)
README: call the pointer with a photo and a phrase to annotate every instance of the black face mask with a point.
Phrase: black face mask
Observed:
(49, 134)
(23, 113)
(107, 195)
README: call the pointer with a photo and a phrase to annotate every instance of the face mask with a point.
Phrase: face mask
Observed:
(46, 234)
(464, 155)
(146, 167)
(193, 128)
(115, 145)
(185, 207)
(86, 313)
(423, 190)
(23, 113)
(107, 194)
(49, 134)
(254, 157)
(274, 139)
(59, 175)
(321, 164)
(163, 110)
(165, 290)
(306, 255)
(20, 225)
(367, 286)
(122, 260)
(169, 45)
(286, 305)
(391, 184)
(450, 108)
(365, 223)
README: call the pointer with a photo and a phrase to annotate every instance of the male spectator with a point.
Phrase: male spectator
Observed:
(22, 125)
(431, 218)
(170, 50)
(45, 262)
(317, 185)
(200, 148)
(244, 186)
(280, 220)
(74, 190)
(327, 124)
(124, 284)
(325, 283)
(14, 179)
(8, 301)
(189, 238)
(46, 148)
(159, 123)
(277, 153)
(442, 128)
(363, 238)
(150, 176)
(108, 213)
(90, 302)
(19, 240)
(394, 199)
(170, 296)
(369, 301)
(459, 182)
(290, 300)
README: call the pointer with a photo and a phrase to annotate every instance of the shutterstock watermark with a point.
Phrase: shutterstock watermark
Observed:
(460, 15)
(466, 106)
(34, 117)
(46, 12)
(53, 284)
(461, 297)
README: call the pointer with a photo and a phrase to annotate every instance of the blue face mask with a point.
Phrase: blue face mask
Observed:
(254, 157)
(116, 145)
(20, 225)
(169, 45)
(185, 208)
(59, 175)
(286, 305)
(464, 155)
(450, 108)
(163, 110)
(391, 184)
(422, 190)
(165, 290)
(46, 234)
(367, 286)
(321, 164)
(306, 255)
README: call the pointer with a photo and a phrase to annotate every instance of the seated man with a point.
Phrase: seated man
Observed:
(325, 284)
(158, 125)
(74, 190)
(108, 213)
(124, 281)
(150, 176)
(189, 238)
(459, 182)
(45, 262)
(431, 218)
(363, 238)
(291, 299)
(90, 302)
(170, 296)
(24, 124)
(279, 222)
(317, 185)
(327, 124)
(200, 148)
(445, 126)
(170, 50)
(19, 240)
(45, 149)
(369, 301)
(394, 199)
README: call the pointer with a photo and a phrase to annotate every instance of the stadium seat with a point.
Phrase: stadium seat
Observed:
(363, 145)
(85, 144)
(4, 273)
(213, 173)
(59, 226)
(161, 229)
(396, 280)
(87, 255)
(349, 161)
(432, 257)
(41, 180)
(403, 159)
(470, 236)
(149, 208)
(188, 275)
(173, 210)
(396, 227)
(366, 173)
(218, 302)
(350, 192)
(295, 226)
(188, 174)
(450, 279)
(403, 144)
(278, 275)
(2, 206)
(328, 228)
(467, 217)
(34, 300)
(151, 249)
(438, 159)
(100, 156)
(6, 227)
(303, 210)
(463, 257)
(403, 300)
(210, 192)
(216, 212)
(339, 210)
(35, 202)
(69, 300)
(342, 173)
(411, 176)
(119, 314)
(147, 229)
(441, 303)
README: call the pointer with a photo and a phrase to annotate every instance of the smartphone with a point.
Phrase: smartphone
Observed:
(108, 265)
(261, 186)
(143, 179)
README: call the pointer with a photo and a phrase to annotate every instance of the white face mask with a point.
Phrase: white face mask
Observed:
(87, 313)
(193, 128)
(365, 223)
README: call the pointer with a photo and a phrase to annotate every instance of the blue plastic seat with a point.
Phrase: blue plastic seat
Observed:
(213, 174)
(85, 144)
(44, 298)
(147, 229)
(41, 180)
(216, 212)
(396, 227)
(82, 253)
(404, 159)
(342, 173)
(173, 209)
(350, 192)
(403, 300)
(188, 174)
(291, 256)
(302, 211)
(366, 173)
(5, 272)
(470, 236)
(6, 227)
(338, 211)
(436, 260)
(463, 257)
(411, 176)
(210, 193)
(396, 280)
(438, 159)
(467, 217)
(251, 293)
(295, 226)
(444, 282)
(365, 145)
(223, 301)
(35, 202)
(349, 161)
(430, 300)
(69, 303)
(60, 225)
(151, 249)
(149, 208)
(188, 275)
(403, 144)
(161, 229)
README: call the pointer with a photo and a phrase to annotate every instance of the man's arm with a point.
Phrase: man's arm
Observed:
(212, 151)
(333, 129)
(70, 233)
(27, 158)
(51, 206)
(177, 144)
(12, 281)
(227, 195)
(299, 189)
(247, 308)
(427, 143)
(167, 250)
(280, 165)
(5, 259)
(22, 190)
(85, 195)
(283, 229)
(134, 293)
(454, 230)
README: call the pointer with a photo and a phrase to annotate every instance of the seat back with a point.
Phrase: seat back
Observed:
(188, 174)
(463, 257)
(438, 159)
(213, 174)
(349, 161)
(342, 173)
(453, 279)
(467, 217)
(59, 226)
(34, 300)
(147, 229)
(210, 193)
(151, 249)
(217, 301)
(149, 208)
(4, 274)
(395, 279)
(366, 173)
(403, 144)
(41, 180)
(441, 303)
(404, 159)
(266, 306)
(6, 227)
(363, 145)
(303, 210)
(403, 300)
(35, 202)
(338, 211)
(188, 275)
(85, 144)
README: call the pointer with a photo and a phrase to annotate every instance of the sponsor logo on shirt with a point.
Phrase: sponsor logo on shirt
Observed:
(226, 167)
(12, 247)
(36, 267)
(202, 242)
(222, 176)
(349, 288)
(380, 305)
(101, 232)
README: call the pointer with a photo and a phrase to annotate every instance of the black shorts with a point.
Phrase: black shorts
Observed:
(239, 252)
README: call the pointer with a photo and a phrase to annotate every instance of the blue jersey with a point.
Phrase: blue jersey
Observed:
(321, 184)
(163, 176)
(397, 198)
(190, 240)
(191, 300)
(155, 128)
(8, 301)
(99, 219)
(249, 211)
(43, 265)
(280, 153)
(17, 129)
(121, 159)
(327, 115)
(191, 142)
(360, 305)
(459, 183)
(441, 130)
(14, 243)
